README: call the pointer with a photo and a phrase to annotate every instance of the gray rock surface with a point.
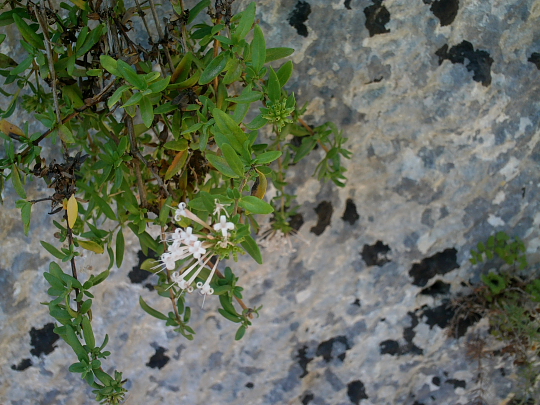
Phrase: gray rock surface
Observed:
(441, 108)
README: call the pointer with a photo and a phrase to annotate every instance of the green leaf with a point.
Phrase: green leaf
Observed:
(246, 97)
(26, 213)
(130, 75)
(273, 54)
(197, 9)
(179, 145)
(246, 22)
(88, 333)
(251, 247)
(233, 160)
(268, 157)
(28, 33)
(160, 85)
(91, 40)
(147, 308)
(133, 100)
(100, 277)
(120, 248)
(273, 87)
(55, 270)
(25, 64)
(255, 205)
(105, 207)
(71, 339)
(147, 111)
(16, 180)
(221, 165)
(284, 73)
(110, 65)
(229, 316)
(240, 332)
(230, 129)
(258, 122)
(214, 68)
(54, 281)
(258, 49)
(52, 250)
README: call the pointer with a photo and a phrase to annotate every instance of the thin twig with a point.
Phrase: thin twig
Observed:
(136, 163)
(160, 34)
(43, 24)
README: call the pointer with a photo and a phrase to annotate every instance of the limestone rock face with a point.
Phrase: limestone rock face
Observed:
(440, 102)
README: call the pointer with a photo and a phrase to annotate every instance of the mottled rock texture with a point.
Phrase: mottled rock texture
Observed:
(440, 101)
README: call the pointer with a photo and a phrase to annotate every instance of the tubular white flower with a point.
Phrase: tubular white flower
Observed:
(167, 261)
(188, 237)
(197, 250)
(205, 288)
(220, 207)
(180, 212)
(223, 226)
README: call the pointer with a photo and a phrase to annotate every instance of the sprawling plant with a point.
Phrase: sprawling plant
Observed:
(160, 137)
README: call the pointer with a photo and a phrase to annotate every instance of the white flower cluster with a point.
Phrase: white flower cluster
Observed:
(184, 244)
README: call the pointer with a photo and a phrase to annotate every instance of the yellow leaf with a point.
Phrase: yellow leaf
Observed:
(80, 3)
(92, 246)
(259, 188)
(8, 128)
(177, 164)
(72, 210)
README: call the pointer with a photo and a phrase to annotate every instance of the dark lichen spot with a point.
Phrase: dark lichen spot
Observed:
(138, 275)
(535, 58)
(390, 347)
(335, 347)
(437, 288)
(159, 359)
(23, 365)
(377, 16)
(249, 385)
(445, 10)
(324, 211)
(357, 303)
(43, 340)
(307, 398)
(408, 335)
(479, 62)
(439, 263)
(440, 315)
(303, 360)
(356, 391)
(456, 383)
(347, 4)
(299, 16)
(376, 255)
(350, 215)
(436, 381)
(296, 221)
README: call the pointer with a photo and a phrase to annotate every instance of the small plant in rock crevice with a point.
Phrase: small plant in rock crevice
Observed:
(510, 299)
(154, 136)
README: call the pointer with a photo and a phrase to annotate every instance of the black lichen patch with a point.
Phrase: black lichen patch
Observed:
(357, 303)
(296, 221)
(347, 4)
(479, 62)
(456, 383)
(437, 288)
(376, 255)
(441, 315)
(350, 215)
(335, 347)
(535, 58)
(299, 16)
(445, 10)
(408, 335)
(324, 211)
(307, 398)
(43, 340)
(249, 385)
(436, 381)
(356, 391)
(159, 359)
(303, 360)
(377, 16)
(138, 275)
(23, 365)
(390, 347)
(439, 263)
